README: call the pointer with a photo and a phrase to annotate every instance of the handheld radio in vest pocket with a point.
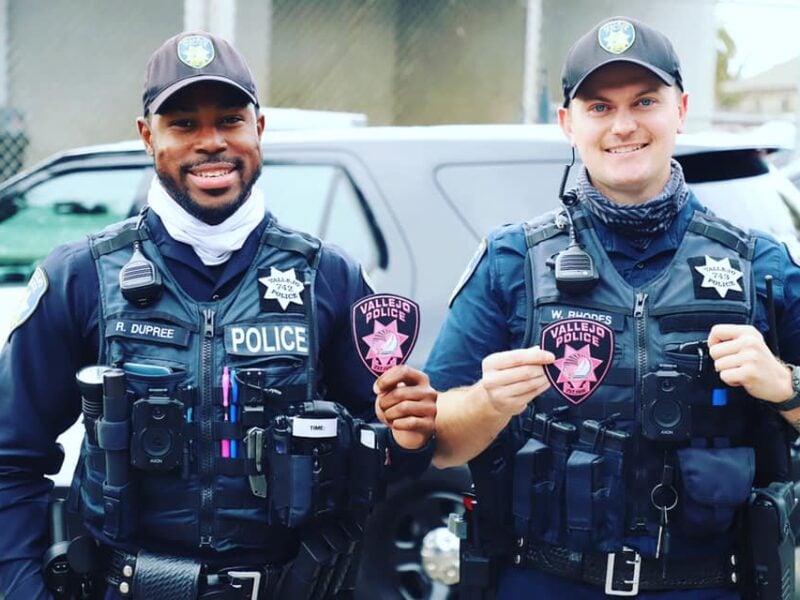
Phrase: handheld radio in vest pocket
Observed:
(139, 280)
(575, 270)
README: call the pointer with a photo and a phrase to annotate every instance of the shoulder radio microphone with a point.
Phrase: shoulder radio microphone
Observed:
(139, 279)
(574, 267)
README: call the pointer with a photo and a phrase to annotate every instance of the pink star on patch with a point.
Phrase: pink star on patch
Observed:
(385, 343)
(577, 370)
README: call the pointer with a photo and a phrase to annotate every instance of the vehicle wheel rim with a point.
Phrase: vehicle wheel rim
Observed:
(423, 520)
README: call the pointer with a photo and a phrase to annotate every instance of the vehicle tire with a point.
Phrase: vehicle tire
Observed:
(412, 517)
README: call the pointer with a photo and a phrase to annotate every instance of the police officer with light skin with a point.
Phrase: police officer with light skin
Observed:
(223, 293)
(570, 403)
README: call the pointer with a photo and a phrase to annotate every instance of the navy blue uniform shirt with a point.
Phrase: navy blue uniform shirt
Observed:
(39, 398)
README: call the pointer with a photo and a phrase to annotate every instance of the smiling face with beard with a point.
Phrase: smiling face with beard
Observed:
(212, 215)
(206, 145)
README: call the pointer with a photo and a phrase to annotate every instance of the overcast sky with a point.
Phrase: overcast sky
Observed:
(766, 32)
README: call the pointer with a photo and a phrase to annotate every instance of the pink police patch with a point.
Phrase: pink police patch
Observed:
(385, 328)
(584, 350)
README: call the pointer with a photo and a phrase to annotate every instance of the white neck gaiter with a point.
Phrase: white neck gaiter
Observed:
(214, 244)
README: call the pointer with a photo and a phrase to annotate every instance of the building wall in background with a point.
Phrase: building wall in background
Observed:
(334, 56)
(76, 68)
(689, 24)
(459, 61)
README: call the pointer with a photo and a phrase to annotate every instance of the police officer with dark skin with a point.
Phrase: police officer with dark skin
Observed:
(614, 429)
(240, 297)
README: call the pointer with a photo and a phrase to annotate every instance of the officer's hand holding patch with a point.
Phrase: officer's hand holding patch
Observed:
(406, 402)
(513, 378)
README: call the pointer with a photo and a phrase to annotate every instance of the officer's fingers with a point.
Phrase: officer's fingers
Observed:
(722, 333)
(739, 376)
(520, 374)
(512, 399)
(412, 405)
(414, 423)
(742, 350)
(404, 393)
(400, 374)
(380, 413)
(752, 354)
(513, 358)
(411, 408)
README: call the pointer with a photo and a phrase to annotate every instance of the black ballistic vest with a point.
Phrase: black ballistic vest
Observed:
(207, 501)
(634, 402)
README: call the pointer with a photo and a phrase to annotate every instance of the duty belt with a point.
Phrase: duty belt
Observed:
(155, 575)
(626, 572)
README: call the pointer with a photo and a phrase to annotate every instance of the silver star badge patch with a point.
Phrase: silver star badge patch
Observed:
(720, 275)
(282, 286)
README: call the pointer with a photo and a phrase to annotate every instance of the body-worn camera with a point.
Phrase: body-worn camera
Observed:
(157, 424)
(667, 410)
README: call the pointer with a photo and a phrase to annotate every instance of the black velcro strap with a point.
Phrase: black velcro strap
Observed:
(170, 502)
(236, 498)
(709, 421)
(294, 243)
(124, 238)
(619, 376)
(698, 321)
(226, 430)
(253, 416)
(235, 467)
(621, 406)
(726, 238)
(540, 234)
(114, 435)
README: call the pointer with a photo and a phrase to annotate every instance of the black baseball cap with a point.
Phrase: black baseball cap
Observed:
(620, 39)
(191, 57)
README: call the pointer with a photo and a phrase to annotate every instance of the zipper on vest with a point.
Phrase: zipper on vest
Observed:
(641, 339)
(639, 512)
(207, 442)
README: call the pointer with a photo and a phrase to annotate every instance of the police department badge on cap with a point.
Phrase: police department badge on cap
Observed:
(196, 51)
(616, 36)
(584, 349)
(385, 328)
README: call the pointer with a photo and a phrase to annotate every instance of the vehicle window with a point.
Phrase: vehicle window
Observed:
(722, 165)
(489, 195)
(63, 208)
(321, 200)
(753, 203)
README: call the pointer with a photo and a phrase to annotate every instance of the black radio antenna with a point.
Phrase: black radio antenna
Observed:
(772, 321)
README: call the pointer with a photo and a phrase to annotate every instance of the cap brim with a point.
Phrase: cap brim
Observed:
(662, 75)
(165, 94)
